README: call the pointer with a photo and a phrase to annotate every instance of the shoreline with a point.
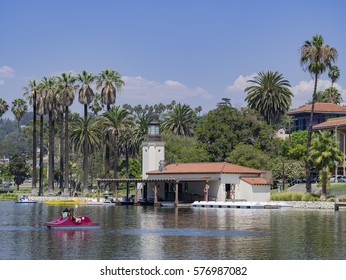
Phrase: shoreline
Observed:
(293, 204)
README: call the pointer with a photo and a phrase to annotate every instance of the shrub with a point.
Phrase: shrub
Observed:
(293, 196)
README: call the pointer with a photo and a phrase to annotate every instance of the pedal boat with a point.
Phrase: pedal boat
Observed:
(67, 223)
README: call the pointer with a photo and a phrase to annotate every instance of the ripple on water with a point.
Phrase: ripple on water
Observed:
(191, 232)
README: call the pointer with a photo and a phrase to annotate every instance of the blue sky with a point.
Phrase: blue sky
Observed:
(194, 52)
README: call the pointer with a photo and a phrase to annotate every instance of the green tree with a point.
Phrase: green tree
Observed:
(93, 140)
(324, 151)
(180, 121)
(270, 95)
(109, 81)
(3, 107)
(184, 149)
(85, 97)
(31, 92)
(316, 58)
(18, 169)
(116, 122)
(222, 129)
(249, 156)
(297, 145)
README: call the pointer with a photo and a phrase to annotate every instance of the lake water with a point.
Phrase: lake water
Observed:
(148, 233)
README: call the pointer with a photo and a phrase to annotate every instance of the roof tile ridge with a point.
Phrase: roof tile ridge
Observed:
(223, 166)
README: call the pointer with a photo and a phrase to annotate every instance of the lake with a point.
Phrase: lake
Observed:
(148, 233)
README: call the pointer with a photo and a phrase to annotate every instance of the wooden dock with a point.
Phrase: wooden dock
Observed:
(337, 205)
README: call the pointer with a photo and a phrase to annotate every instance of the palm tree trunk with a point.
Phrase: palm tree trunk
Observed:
(61, 150)
(324, 186)
(127, 170)
(308, 144)
(50, 153)
(34, 148)
(106, 163)
(66, 185)
(40, 192)
(86, 152)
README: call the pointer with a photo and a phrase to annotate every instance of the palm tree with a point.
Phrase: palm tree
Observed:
(116, 122)
(85, 97)
(334, 73)
(110, 82)
(31, 92)
(332, 95)
(180, 121)
(324, 153)
(94, 134)
(19, 108)
(97, 105)
(3, 107)
(224, 102)
(315, 57)
(270, 95)
(66, 91)
(49, 90)
(41, 111)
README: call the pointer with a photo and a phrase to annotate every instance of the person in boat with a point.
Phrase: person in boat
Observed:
(64, 213)
(24, 198)
(72, 216)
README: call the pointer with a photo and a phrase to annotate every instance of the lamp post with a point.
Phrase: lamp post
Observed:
(336, 171)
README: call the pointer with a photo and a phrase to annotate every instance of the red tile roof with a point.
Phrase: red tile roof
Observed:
(331, 123)
(255, 181)
(319, 108)
(205, 167)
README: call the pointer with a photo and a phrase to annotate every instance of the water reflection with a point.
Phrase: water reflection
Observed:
(129, 232)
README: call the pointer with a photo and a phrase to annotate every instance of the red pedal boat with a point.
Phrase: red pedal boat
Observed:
(68, 223)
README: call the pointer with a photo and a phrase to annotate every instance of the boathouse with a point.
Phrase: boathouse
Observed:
(189, 182)
(207, 181)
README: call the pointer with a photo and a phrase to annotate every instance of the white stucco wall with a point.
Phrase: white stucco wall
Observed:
(152, 152)
(253, 192)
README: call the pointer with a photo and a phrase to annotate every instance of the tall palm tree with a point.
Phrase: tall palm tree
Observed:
(94, 134)
(67, 92)
(49, 88)
(85, 97)
(30, 92)
(334, 73)
(109, 81)
(270, 95)
(41, 111)
(316, 58)
(324, 153)
(180, 121)
(116, 122)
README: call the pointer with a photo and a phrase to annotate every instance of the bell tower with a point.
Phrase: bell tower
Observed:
(153, 150)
